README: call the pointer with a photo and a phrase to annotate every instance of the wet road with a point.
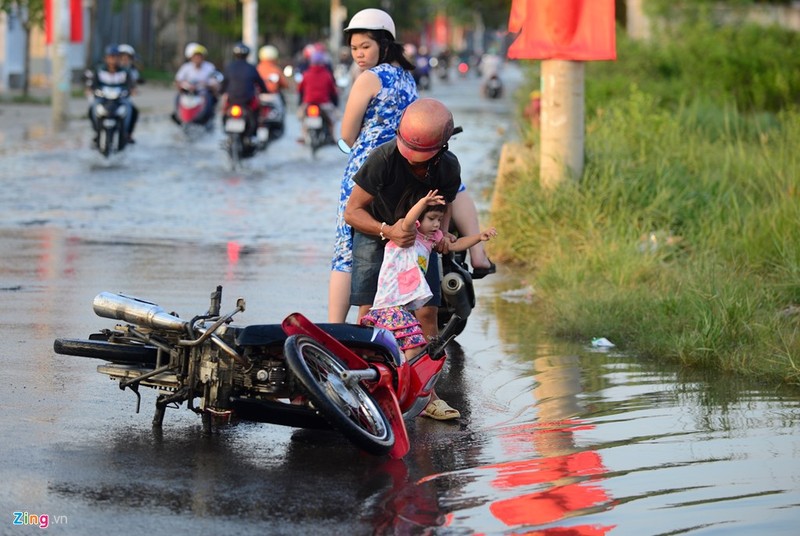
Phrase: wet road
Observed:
(554, 437)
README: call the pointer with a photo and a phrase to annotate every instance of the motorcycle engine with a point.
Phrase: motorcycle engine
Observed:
(267, 375)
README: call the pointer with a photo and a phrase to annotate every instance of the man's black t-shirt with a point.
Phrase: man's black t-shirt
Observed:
(388, 178)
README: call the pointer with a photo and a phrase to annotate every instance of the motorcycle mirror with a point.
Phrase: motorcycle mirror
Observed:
(240, 304)
(343, 146)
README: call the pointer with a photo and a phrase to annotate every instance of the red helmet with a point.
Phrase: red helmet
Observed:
(425, 127)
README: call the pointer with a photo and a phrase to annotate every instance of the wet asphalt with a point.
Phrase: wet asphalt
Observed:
(169, 222)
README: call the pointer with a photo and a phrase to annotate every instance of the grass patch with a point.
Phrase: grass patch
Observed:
(681, 240)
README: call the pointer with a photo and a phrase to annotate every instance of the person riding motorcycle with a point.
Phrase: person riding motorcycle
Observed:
(126, 56)
(269, 69)
(241, 84)
(318, 87)
(109, 73)
(198, 75)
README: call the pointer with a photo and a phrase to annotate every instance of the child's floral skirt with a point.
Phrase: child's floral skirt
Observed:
(401, 322)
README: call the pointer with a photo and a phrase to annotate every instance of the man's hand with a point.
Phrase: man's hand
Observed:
(396, 234)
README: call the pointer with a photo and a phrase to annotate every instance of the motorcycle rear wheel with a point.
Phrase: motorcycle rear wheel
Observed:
(235, 150)
(351, 410)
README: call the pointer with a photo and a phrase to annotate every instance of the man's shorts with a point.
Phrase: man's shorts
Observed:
(367, 259)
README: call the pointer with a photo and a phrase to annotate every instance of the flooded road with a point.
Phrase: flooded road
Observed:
(555, 438)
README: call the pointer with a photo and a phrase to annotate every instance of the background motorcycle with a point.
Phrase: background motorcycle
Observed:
(493, 88)
(190, 115)
(271, 117)
(352, 378)
(238, 122)
(422, 72)
(317, 128)
(110, 114)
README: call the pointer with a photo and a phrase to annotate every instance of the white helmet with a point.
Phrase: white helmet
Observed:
(371, 19)
(194, 48)
(268, 53)
(126, 49)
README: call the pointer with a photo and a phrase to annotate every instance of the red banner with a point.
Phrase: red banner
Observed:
(580, 30)
(75, 21)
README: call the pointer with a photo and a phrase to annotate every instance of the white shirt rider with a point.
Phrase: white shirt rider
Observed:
(197, 76)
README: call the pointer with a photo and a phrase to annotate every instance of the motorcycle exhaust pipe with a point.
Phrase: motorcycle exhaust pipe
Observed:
(455, 292)
(136, 311)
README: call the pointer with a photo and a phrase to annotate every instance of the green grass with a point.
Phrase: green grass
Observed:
(681, 242)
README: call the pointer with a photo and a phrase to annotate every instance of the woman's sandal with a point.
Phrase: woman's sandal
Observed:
(441, 411)
(480, 273)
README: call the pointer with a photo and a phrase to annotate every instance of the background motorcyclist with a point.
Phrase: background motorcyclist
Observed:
(491, 65)
(106, 74)
(200, 76)
(318, 87)
(241, 85)
(269, 69)
(127, 55)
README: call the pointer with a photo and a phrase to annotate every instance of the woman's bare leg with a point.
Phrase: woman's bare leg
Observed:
(338, 297)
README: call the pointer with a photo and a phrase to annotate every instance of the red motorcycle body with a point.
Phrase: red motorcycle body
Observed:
(397, 389)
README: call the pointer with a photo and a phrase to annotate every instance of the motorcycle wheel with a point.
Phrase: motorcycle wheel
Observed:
(351, 410)
(133, 354)
(105, 141)
(235, 151)
(317, 139)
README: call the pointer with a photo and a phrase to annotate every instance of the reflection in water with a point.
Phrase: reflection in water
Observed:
(549, 483)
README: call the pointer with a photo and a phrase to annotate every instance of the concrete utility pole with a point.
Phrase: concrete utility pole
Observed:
(562, 121)
(338, 15)
(638, 24)
(250, 27)
(60, 82)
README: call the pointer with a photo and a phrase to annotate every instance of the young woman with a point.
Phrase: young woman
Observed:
(371, 116)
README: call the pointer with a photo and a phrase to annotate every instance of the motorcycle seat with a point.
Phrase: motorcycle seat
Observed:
(350, 335)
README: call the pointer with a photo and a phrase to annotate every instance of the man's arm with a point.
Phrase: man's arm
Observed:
(357, 215)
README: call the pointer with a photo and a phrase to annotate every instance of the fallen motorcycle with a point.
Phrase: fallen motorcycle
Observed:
(350, 378)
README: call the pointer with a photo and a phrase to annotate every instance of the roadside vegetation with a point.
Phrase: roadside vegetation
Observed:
(681, 242)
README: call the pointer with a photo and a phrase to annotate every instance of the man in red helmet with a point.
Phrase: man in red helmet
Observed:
(394, 176)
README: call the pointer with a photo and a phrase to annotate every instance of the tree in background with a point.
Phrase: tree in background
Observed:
(30, 14)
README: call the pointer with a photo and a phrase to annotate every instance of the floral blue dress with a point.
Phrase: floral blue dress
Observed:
(381, 118)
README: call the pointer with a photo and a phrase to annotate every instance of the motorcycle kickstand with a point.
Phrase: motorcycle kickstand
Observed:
(135, 388)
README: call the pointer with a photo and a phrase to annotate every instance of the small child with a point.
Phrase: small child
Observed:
(401, 284)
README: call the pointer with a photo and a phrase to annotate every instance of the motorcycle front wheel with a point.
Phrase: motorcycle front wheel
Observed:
(105, 141)
(349, 409)
(130, 354)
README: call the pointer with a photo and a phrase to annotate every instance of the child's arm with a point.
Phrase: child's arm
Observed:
(410, 221)
(465, 242)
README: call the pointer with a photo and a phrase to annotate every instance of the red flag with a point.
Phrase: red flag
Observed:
(580, 30)
(75, 21)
